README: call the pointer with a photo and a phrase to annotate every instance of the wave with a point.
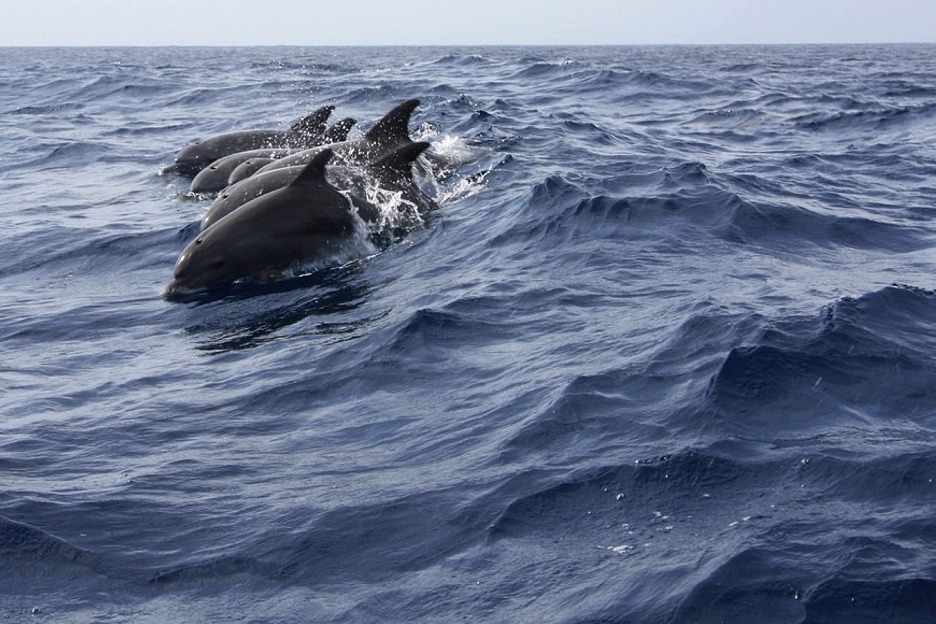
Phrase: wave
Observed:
(28, 545)
(213, 570)
(690, 198)
(875, 117)
(462, 60)
(55, 248)
(643, 515)
(47, 109)
(859, 362)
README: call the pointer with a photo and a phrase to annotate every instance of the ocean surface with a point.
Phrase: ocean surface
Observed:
(665, 354)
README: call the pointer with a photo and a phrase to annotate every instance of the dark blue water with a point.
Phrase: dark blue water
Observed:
(666, 353)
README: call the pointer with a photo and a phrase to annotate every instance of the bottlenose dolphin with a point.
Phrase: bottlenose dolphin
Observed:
(247, 169)
(253, 187)
(215, 176)
(390, 132)
(307, 220)
(195, 157)
(391, 173)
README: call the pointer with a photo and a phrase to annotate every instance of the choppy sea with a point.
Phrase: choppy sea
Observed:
(666, 352)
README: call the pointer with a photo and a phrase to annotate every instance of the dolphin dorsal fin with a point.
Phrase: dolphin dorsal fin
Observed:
(313, 123)
(314, 172)
(400, 161)
(393, 128)
(338, 132)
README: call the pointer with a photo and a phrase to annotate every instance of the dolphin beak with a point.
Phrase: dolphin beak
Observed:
(177, 288)
(171, 290)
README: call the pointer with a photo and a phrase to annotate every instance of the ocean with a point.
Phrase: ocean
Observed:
(666, 353)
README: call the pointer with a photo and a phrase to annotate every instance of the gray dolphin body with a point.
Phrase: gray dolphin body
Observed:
(389, 133)
(216, 176)
(246, 190)
(307, 220)
(195, 157)
(391, 173)
(248, 168)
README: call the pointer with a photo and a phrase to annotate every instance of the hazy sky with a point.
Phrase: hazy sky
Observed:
(462, 22)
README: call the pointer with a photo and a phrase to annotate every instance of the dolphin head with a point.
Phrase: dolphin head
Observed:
(221, 255)
(203, 264)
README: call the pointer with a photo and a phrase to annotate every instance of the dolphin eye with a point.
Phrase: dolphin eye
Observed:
(216, 264)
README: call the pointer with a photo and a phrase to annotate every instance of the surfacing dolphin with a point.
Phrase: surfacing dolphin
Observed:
(248, 168)
(217, 175)
(306, 221)
(195, 157)
(391, 173)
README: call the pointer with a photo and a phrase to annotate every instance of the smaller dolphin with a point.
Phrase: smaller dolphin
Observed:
(216, 176)
(247, 169)
(307, 220)
(253, 187)
(195, 157)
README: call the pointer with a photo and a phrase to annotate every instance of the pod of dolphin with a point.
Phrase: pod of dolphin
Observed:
(292, 196)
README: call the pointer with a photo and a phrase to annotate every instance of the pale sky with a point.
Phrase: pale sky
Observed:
(462, 22)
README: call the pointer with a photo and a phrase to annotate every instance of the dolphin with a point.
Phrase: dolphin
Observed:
(392, 173)
(253, 187)
(305, 221)
(390, 132)
(247, 169)
(195, 157)
(216, 176)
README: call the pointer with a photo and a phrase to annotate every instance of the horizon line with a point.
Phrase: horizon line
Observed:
(457, 45)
